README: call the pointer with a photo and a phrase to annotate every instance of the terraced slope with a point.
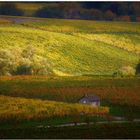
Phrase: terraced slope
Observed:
(119, 34)
(77, 47)
(18, 109)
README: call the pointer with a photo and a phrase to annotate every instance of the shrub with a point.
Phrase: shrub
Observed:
(7, 62)
(27, 62)
(41, 66)
(138, 68)
(125, 71)
(33, 64)
(24, 70)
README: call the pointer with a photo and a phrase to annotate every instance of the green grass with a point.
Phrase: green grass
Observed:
(126, 111)
(124, 130)
(51, 122)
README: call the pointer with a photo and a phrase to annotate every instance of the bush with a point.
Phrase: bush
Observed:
(27, 62)
(24, 70)
(31, 63)
(125, 71)
(41, 66)
(138, 68)
(7, 62)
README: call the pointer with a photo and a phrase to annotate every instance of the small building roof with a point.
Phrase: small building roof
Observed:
(90, 98)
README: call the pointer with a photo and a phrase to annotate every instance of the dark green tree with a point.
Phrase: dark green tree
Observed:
(138, 68)
(24, 70)
(53, 12)
(10, 9)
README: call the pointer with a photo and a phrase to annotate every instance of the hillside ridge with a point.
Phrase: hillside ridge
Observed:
(72, 52)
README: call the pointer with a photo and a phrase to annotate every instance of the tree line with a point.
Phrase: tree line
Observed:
(123, 11)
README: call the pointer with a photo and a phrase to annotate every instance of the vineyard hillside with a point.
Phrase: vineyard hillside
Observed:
(75, 47)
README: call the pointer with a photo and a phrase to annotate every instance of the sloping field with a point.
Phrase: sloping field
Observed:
(117, 91)
(88, 26)
(118, 34)
(77, 47)
(18, 109)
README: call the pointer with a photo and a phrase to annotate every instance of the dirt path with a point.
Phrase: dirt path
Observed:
(90, 123)
(20, 20)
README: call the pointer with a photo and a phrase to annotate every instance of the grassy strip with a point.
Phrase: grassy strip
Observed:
(125, 130)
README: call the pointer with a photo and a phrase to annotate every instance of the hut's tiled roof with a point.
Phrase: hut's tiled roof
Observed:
(90, 98)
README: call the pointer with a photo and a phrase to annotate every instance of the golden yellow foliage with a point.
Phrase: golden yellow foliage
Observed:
(4, 21)
(19, 109)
